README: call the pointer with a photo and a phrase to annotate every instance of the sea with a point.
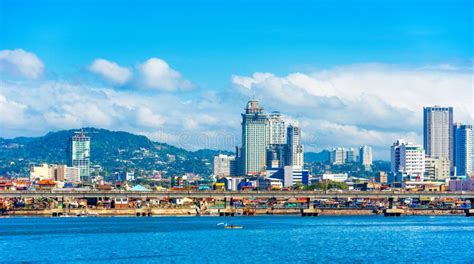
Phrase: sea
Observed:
(263, 239)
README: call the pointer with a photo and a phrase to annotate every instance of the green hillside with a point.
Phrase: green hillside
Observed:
(113, 150)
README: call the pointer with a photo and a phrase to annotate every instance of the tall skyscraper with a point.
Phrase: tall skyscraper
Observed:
(276, 152)
(407, 158)
(463, 149)
(365, 156)
(255, 137)
(294, 148)
(438, 132)
(277, 129)
(79, 151)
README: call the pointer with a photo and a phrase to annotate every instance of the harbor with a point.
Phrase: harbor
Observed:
(23, 203)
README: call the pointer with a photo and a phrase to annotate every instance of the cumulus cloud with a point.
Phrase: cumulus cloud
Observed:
(155, 73)
(111, 71)
(346, 106)
(362, 104)
(37, 108)
(12, 113)
(20, 63)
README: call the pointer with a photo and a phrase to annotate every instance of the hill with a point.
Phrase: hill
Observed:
(113, 150)
(322, 156)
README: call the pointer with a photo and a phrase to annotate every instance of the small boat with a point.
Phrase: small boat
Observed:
(233, 227)
(226, 226)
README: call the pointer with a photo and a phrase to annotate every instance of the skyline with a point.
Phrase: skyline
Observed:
(144, 76)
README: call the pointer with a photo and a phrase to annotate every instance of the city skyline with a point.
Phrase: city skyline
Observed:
(341, 92)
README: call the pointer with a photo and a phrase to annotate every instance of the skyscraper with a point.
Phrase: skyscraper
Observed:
(79, 151)
(277, 129)
(337, 156)
(294, 148)
(463, 149)
(254, 138)
(276, 150)
(352, 155)
(365, 156)
(438, 132)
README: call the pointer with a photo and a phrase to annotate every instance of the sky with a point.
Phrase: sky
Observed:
(348, 72)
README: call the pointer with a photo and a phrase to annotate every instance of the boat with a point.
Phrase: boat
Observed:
(86, 214)
(226, 226)
(233, 227)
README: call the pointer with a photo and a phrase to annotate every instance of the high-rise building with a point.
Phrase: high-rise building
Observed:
(276, 154)
(254, 139)
(352, 155)
(294, 148)
(463, 149)
(408, 159)
(277, 129)
(438, 132)
(337, 156)
(79, 154)
(365, 155)
(224, 165)
(437, 168)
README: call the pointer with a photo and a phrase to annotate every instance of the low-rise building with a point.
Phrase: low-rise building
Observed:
(437, 168)
(461, 184)
(336, 177)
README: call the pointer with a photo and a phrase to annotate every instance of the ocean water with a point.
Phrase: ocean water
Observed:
(264, 239)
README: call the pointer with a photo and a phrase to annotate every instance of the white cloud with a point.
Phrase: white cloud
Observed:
(12, 114)
(34, 108)
(20, 63)
(147, 118)
(344, 106)
(111, 71)
(157, 74)
(362, 104)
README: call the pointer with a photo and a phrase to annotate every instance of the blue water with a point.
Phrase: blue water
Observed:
(267, 239)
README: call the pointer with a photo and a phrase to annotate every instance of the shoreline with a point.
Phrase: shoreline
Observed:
(147, 212)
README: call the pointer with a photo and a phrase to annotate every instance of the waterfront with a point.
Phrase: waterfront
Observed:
(263, 239)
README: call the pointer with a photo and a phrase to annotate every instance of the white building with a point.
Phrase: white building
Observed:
(277, 128)
(294, 175)
(335, 177)
(337, 156)
(407, 158)
(41, 172)
(72, 174)
(294, 146)
(365, 155)
(223, 165)
(437, 168)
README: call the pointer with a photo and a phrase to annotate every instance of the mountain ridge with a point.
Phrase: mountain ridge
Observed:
(114, 150)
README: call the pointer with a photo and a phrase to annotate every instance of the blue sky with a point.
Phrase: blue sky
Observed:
(209, 43)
